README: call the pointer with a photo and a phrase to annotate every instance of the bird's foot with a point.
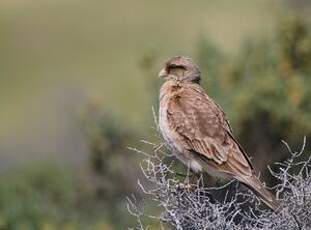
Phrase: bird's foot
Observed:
(186, 186)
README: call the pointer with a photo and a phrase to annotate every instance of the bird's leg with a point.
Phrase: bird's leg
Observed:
(187, 180)
(193, 182)
(195, 179)
(190, 180)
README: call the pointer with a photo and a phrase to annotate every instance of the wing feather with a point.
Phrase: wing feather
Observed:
(202, 125)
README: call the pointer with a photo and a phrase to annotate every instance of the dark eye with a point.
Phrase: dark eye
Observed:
(174, 66)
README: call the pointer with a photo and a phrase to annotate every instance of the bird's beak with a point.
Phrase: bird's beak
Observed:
(162, 73)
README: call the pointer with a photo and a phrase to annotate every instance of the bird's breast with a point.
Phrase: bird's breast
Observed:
(164, 123)
(172, 139)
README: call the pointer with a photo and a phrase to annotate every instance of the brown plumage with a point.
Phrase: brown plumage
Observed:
(197, 132)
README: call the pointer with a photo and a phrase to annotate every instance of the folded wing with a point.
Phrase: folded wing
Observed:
(202, 126)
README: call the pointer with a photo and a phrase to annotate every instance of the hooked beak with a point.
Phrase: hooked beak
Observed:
(162, 73)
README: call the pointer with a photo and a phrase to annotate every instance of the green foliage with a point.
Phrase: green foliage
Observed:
(110, 162)
(108, 141)
(47, 196)
(35, 196)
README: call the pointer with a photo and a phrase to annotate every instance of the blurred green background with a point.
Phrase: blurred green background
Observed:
(78, 80)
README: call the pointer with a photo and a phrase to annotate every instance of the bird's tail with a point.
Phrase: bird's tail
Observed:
(266, 196)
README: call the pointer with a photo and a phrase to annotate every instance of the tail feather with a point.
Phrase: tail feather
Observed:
(266, 196)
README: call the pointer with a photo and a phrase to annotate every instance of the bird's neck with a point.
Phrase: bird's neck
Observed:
(174, 82)
(171, 87)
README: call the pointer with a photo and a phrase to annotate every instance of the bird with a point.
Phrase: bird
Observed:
(195, 129)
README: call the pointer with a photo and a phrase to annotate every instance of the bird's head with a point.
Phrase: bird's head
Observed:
(180, 69)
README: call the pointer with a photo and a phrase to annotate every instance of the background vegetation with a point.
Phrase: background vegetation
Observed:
(78, 79)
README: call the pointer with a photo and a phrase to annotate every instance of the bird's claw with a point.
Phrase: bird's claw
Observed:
(186, 186)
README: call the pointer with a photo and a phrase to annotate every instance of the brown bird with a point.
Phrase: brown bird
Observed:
(197, 132)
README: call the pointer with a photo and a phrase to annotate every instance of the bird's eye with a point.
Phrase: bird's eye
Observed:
(174, 66)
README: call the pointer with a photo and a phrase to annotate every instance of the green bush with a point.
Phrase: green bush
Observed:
(36, 195)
